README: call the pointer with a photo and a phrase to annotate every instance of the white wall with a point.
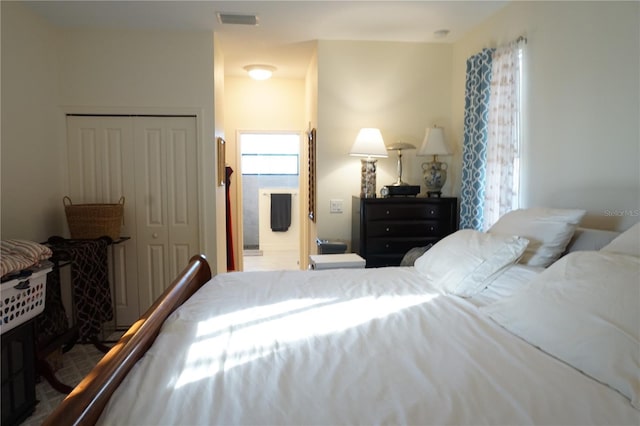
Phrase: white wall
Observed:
(401, 88)
(220, 191)
(33, 182)
(582, 138)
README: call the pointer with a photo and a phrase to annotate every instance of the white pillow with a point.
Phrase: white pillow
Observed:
(548, 231)
(590, 239)
(626, 243)
(461, 262)
(584, 310)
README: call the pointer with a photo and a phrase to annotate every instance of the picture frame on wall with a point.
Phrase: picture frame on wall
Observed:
(312, 173)
(222, 162)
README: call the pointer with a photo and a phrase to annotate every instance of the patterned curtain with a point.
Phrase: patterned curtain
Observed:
(474, 152)
(501, 186)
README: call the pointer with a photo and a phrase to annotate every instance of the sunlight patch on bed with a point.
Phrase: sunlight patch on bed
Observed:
(238, 338)
(255, 314)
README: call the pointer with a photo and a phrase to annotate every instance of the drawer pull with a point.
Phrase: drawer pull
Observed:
(388, 212)
(432, 212)
(432, 228)
(388, 229)
(386, 246)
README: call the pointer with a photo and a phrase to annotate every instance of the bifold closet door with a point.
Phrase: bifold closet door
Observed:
(152, 162)
(101, 170)
(166, 201)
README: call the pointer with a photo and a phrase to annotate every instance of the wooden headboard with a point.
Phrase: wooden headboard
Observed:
(85, 403)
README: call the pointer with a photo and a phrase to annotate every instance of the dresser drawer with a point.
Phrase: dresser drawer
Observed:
(382, 260)
(431, 228)
(397, 246)
(384, 229)
(412, 211)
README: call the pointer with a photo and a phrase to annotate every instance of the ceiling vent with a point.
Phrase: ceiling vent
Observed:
(237, 19)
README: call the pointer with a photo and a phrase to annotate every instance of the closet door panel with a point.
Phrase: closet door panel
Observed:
(156, 261)
(101, 170)
(182, 192)
(166, 199)
(153, 179)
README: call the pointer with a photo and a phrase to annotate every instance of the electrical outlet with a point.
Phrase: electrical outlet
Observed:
(335, 206)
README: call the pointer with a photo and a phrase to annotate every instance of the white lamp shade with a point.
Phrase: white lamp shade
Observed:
(369, 143)
(434, 143)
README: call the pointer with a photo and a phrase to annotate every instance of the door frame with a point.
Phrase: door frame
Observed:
(302, 178)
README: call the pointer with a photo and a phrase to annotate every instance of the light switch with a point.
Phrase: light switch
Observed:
(335, 206)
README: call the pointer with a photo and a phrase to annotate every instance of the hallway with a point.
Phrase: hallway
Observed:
(271, 260)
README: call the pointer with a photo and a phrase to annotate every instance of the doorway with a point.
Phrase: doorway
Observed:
(270, 183)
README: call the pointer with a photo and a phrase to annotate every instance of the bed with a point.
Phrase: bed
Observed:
(500, 327)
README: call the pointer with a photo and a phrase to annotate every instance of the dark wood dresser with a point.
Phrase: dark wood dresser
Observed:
(384, 229)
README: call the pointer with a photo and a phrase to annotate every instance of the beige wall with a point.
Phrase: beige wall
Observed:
(581, 135)
(164, 72)
(47, 73)
(401, 88)
(582, 141)
(33, 183)
(277, 104)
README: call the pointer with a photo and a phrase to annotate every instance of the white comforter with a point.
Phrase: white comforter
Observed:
(372, 346)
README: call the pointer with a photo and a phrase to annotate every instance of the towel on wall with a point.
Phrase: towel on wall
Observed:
(280, 212)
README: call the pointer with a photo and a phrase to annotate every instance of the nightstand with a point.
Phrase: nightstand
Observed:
(336, 261)
(384, 229)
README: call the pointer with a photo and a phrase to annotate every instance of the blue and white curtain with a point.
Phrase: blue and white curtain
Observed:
(503, 139)
(474, 153)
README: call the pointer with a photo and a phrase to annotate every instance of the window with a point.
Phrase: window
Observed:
(502, 186)
(491, 159)
(518, 131)
(270, 154)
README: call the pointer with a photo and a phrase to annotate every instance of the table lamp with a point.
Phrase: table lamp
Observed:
(434, 172)
(368, 144)
(399, 147)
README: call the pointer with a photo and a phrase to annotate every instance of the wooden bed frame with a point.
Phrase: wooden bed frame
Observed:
(85, 403)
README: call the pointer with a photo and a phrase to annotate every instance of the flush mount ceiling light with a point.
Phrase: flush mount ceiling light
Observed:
(260, 72)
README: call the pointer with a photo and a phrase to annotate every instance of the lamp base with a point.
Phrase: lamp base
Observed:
(400, 191)
(368, 178)
(435, 175)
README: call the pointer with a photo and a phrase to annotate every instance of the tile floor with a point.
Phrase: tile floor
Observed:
(272, 260)
(76, 364)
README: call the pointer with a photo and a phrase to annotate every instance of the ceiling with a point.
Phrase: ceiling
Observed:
(286, 31)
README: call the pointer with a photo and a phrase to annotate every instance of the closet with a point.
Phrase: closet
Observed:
(152, 162)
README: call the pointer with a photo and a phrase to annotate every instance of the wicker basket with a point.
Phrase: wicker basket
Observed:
(89, 221)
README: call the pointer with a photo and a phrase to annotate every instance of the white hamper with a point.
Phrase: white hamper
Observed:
(22, 299)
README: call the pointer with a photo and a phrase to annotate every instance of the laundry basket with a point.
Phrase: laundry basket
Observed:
(23, 298)
(89, 221)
